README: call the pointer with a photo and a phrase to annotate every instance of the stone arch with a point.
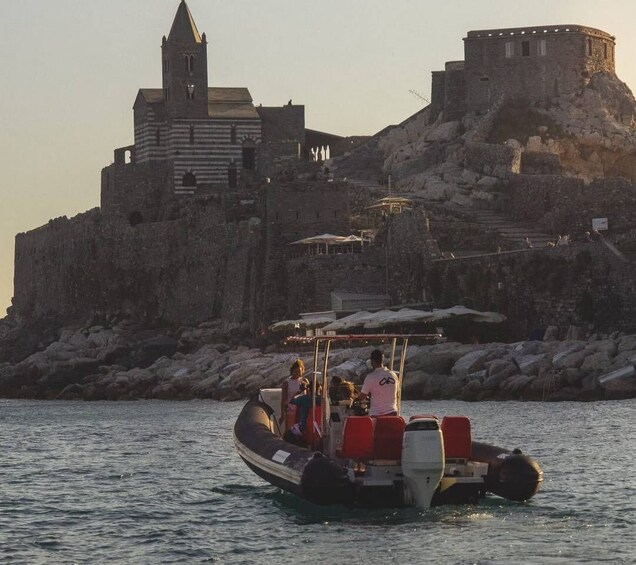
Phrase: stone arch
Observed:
(189, 180)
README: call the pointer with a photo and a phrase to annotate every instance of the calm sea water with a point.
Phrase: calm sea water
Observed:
(159, 482)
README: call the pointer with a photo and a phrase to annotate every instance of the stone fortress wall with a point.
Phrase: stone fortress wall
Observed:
(183, 271)
(580, 284)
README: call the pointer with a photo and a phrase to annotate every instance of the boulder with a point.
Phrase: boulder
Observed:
(469, 363)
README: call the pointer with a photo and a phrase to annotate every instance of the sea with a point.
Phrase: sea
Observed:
(159, 482)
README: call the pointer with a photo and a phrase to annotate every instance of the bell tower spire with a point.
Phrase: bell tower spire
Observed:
(185, 68)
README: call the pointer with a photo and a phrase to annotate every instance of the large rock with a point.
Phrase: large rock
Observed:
(470, 363)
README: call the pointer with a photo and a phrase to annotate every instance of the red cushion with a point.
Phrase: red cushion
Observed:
(357, 437)
(388, 435)
(457, 438)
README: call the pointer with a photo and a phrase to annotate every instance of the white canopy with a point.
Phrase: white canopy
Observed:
(368, 320)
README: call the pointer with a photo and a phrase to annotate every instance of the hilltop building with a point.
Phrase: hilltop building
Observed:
(536, 63)
(190, 137)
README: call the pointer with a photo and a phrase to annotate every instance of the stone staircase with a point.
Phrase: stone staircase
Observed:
(511, 230)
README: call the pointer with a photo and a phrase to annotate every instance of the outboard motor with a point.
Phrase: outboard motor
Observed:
(422, 460)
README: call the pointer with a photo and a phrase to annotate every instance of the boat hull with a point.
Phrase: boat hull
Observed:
(321, 480)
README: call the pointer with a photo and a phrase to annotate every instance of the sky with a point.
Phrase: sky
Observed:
(71, 69)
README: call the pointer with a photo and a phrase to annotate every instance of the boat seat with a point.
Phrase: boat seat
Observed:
(423, 416)
(387, 437)
(457, 438)
(357, 438)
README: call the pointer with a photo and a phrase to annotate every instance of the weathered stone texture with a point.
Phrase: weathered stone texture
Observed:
(537, 63)
(580, 285)
(174, 271)
(493, 160)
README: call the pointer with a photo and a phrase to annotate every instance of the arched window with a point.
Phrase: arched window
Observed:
(190, 91)
(189, 180)
(189, 63)
(191, 135)
(233, 134)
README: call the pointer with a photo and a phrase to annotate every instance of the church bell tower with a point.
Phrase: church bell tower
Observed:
(185, 68)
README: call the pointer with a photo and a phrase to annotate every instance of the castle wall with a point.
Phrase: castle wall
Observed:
(175, 271)
(454, 91)
(311, 280)
(135, 192)
(536, 63)
(573, 285)
(567, 204)
(293, 211)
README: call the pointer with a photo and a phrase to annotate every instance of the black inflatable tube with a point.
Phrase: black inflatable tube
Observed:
(305, 473)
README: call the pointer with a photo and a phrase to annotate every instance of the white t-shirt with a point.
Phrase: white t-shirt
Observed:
(381, 384)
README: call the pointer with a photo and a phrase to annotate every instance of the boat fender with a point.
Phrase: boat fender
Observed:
(325, 482)
(515, 476)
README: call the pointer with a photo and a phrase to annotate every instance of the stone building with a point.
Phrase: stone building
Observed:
(535, 63)
(178, 236)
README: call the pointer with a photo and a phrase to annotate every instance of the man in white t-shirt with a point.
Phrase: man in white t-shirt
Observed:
(381, 385)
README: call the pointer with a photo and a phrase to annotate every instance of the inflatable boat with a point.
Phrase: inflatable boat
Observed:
(350, 458)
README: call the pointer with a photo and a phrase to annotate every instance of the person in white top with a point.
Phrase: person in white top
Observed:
(381, 385)
(291, 387)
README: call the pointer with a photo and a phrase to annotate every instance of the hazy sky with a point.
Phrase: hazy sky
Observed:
(71, 68)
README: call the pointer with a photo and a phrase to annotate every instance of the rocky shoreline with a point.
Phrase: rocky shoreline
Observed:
(119, 363)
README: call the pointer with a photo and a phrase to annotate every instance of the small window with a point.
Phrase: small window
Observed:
(191, 63)
(166, 94)
(541, 48)
(589, 47)
(191, 135)
(335, 213)
(525, 49)
(605, 51)
(165, 65)
(190, 91)
(510, 49)
(317, 215)
(233, 134)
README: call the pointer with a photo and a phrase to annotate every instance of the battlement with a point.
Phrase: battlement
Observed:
(565, 29)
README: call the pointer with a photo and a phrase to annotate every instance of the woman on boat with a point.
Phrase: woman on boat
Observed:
(291, 387)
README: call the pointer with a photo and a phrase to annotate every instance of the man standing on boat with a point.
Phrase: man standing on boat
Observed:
(381, 386)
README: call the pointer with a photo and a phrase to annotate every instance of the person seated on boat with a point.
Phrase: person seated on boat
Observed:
(380, 386)
(341, 390)
(304, 400)
(290, 388)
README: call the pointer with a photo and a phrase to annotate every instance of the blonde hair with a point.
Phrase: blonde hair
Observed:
(298, 364)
